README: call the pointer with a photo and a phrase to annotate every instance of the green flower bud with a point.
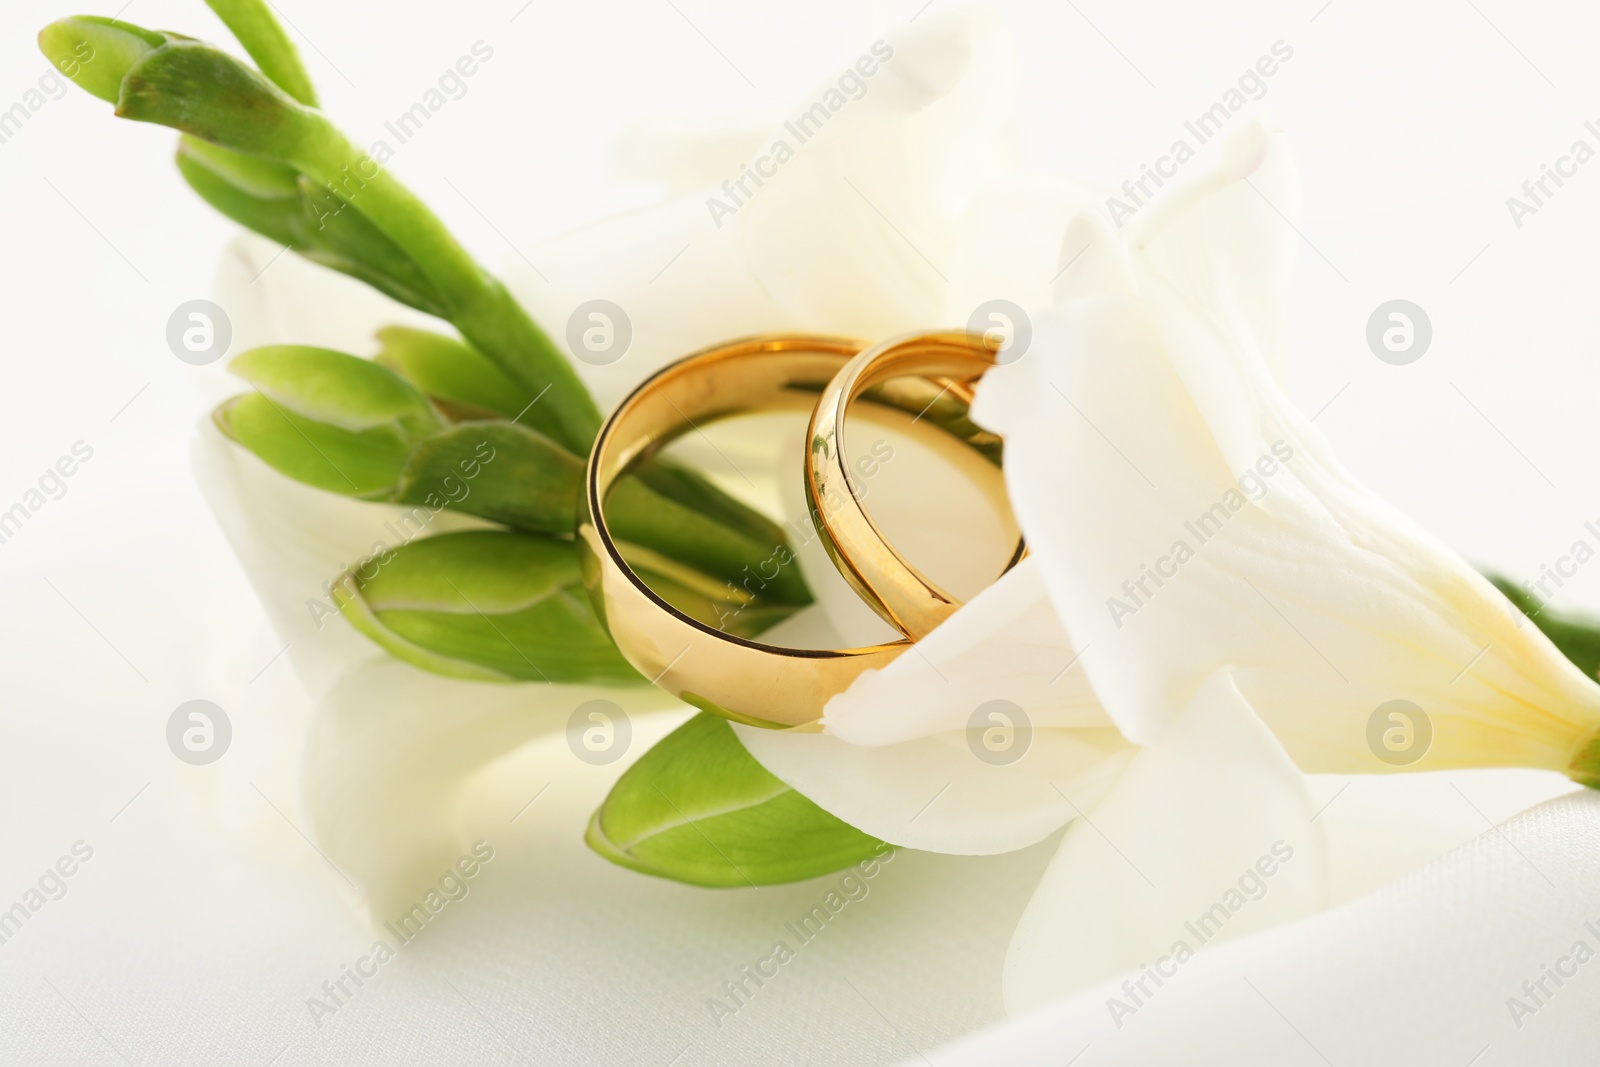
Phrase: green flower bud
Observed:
(234, 195)
(258, 178)
(193, 87)
(451, 370)
(335, 388)
(758, 563)
(484, 605)
(328, 230)
(698, 808)
(513, 475)
(364, 464)
(327, 419)
(96, 53)
(278, 202)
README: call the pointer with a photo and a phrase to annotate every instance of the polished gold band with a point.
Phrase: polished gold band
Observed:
(891, 586)
(739, 679)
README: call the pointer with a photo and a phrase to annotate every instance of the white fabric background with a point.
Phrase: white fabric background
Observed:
(205, 920)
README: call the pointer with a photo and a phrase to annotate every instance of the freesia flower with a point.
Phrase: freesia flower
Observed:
(908, 140)
(904, 212)
(1203, 522)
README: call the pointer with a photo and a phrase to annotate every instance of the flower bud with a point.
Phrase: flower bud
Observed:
(96, 53)
(327, 419)
(451, 370)
(484, 605)
(332, 387)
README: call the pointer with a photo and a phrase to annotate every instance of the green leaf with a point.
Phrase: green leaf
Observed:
(364, 463)
(499, 471)
(341, 390)
(252, 24)
(484, 605)
(1576, 636)
(698, 808)
(448, 369)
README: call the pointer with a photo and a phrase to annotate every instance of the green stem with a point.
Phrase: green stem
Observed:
(252, 23)
(479, 305)
(190, 86)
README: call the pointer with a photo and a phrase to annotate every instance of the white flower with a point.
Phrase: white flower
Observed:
(900, 213)
(1187, 517)
(904, 213)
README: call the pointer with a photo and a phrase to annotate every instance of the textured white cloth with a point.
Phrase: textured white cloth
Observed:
(1430, 970)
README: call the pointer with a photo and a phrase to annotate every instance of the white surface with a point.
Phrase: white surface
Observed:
(1423, 972)
(204, 920)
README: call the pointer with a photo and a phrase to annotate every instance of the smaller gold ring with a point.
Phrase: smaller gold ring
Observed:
(737, 678)
(880, 575)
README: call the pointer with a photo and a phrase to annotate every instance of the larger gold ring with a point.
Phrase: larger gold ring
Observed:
(896, 590)
(737, 678)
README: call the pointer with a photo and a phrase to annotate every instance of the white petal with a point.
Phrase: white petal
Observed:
(936, 794)
(1005, 644)
(272, 296)
(856, 233)
(1227, 243)
(391, 751)
(1188, 463)
(961, 536)
(1208, 834)
(1381, 827)
(809, 249)
(292, 540)
(683, 284)
(686, 156)
(1009, 246)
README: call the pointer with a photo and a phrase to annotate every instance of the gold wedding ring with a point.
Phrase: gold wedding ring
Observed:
(881, 576)
(735, 677)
